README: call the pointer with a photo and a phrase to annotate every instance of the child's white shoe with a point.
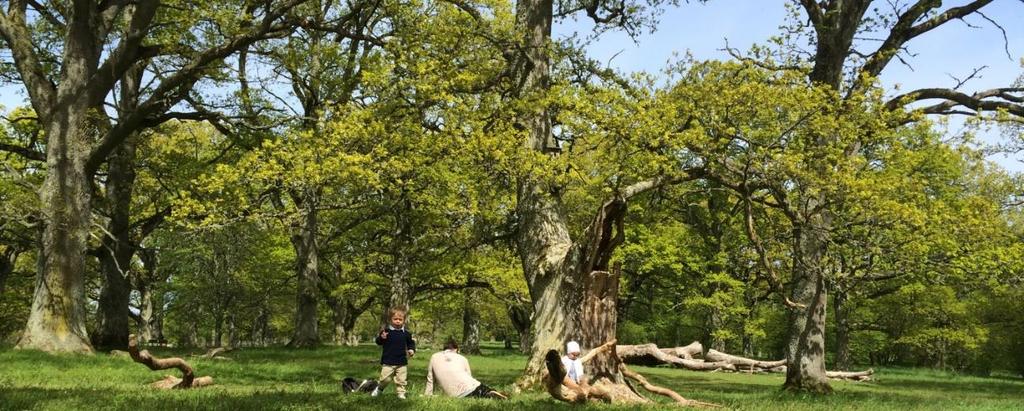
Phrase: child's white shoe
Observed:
(401, 396)
(375, 392)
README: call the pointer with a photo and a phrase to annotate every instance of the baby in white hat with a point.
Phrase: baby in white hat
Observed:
(573, 364)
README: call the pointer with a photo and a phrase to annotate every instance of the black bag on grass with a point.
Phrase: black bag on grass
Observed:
(350, 385)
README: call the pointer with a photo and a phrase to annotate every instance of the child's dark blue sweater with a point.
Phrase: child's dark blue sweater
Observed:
(395, 345)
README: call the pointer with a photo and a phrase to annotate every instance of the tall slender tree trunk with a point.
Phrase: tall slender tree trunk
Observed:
(117, 248)
(401, 286)
(307, 260)
(115, 253)
(56, 322)
(470, 321)
(842, 330)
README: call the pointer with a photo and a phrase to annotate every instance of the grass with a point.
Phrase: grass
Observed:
(281, 379)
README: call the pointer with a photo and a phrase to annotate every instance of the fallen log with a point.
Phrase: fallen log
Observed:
(187, 379)
(742, 362)
(853, 376)
(650, 354)
(685, 352)
(217, 351)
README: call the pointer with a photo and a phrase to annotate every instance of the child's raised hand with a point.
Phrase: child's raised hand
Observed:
(384, 334)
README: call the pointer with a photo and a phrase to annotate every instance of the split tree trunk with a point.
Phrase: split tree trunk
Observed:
(344, 315)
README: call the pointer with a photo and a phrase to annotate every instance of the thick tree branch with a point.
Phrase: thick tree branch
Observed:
(1009, 99)
(25, 152)
(905, 30)
(170, 90)
(128, 52)
(42, 92)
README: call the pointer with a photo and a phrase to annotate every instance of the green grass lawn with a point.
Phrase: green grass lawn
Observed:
(276, 378)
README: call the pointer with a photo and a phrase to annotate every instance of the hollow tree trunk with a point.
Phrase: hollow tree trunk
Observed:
(470, 321)
(805, 349)
(307, 265)
(56, 322)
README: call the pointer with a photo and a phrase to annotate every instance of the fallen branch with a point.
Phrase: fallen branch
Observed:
(644, 354)
(738, 361)
(853, 376)
(187, 379)
(687, 352)
(214, 352)
(663, 391)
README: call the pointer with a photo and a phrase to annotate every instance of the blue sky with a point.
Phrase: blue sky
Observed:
(702, 29)
(954, 49)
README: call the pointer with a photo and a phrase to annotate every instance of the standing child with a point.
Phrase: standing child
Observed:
(397, 346)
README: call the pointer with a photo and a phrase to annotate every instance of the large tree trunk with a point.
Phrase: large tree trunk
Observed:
(805, 350)
(56, 322)
(307, 256)
(470, 321)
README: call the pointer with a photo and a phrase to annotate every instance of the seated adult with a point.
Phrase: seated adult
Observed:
(451, 371)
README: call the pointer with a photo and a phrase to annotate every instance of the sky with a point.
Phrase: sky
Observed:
(954, 49)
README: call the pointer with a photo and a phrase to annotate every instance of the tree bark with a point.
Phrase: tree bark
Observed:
(56, 322)
(307, 254)
(805, 350)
